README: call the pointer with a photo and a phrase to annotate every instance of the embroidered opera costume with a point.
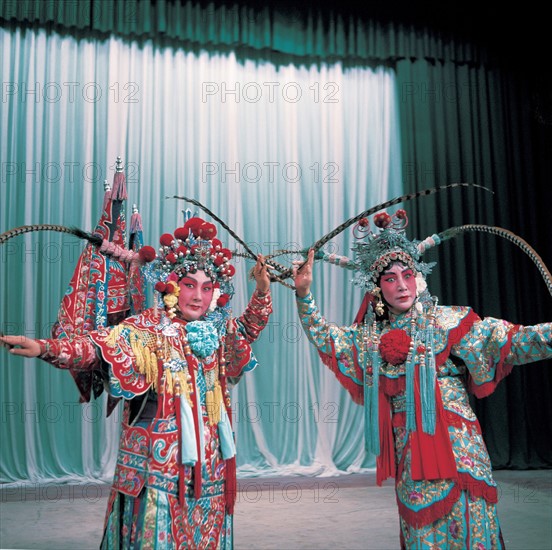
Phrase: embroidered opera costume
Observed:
(174, 483)
(412, 371)
(171, 366)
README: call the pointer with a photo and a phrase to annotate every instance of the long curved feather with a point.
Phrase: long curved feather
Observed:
(424, 193)
(404, 198)
(250, 254)
(80, 233)
(215, 217)
(507, 234)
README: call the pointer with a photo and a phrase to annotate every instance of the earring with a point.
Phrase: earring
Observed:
(170, 299)
(379, 305)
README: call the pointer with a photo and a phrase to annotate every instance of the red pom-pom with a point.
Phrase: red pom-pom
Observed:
(394, 346)
(181, 249)
(227, 254)
(181, 233)
(217, 245)
(363, 222)
(223, 300)
(171, 258)
(382, 220)
(401, 214)
(160, 286)
(147, 253)
(229, 271)
(193, 225)
(218, 261)
(207, 231)
(171, 287)
(166, 239)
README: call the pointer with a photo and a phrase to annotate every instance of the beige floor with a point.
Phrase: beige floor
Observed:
(289, 513)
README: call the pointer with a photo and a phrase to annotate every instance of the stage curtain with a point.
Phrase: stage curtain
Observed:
(301, 30)
(462, 123)
(202, 99)
(283, 167)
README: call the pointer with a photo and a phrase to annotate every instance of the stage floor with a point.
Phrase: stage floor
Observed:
(285, 513)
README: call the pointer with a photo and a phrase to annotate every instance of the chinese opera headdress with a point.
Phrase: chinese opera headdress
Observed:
(191, 248)
(375, 250)
(384, 241)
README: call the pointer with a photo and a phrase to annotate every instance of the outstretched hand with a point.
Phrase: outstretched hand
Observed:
(261, 274)
(303, 275)
(21, 345)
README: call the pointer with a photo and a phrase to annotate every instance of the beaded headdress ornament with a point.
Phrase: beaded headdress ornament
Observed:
(374, 251)
(191, 248)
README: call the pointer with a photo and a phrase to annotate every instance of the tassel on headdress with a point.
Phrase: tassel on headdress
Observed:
(119, 191)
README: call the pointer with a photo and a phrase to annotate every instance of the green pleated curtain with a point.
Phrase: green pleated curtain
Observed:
(454, 113)
(482, 124)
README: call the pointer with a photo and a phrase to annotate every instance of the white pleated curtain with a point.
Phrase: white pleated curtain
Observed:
(282, 152)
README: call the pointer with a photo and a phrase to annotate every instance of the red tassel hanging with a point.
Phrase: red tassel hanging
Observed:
(386, 459)
(431, 455)
(119, 191)
(135, 220)
(197, 479)
(231, 487)
(160, 389)
(107, 196)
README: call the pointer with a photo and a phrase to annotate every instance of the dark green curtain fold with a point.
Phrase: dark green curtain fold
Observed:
(302, 31)
(465, 115)
(480, 125)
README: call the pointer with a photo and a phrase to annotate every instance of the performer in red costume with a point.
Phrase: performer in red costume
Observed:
(175, 478)
(400, 359)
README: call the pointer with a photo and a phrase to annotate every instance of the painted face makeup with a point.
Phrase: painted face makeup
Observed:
(398, 286)
(196, 292)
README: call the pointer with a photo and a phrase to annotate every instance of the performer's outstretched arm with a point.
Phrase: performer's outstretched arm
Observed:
(64, 353)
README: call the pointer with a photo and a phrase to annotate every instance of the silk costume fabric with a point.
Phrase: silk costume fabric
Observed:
(152, 502)
(459, 510)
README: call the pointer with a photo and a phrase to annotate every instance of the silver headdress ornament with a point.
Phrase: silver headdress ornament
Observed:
(345, 262)
(391, 244)
(383, 247)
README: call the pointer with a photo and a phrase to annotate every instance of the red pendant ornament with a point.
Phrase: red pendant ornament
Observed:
(394, 346)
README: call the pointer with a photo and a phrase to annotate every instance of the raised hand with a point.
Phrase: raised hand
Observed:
(260, 272)
(303, 275)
